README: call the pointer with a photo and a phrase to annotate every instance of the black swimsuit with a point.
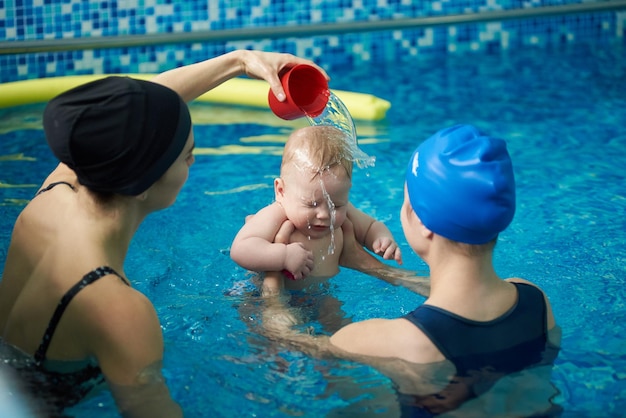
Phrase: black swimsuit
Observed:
(57, 384)
(40, 354)
(52, 185)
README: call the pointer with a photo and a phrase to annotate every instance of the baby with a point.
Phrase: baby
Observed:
(312, 194)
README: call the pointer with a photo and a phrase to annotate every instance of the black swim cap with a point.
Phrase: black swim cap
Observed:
(118, 134)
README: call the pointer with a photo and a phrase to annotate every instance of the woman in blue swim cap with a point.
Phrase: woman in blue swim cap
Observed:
(459, 195)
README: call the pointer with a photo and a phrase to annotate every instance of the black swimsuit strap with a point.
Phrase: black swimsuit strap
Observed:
(51, 185)
(40, 354)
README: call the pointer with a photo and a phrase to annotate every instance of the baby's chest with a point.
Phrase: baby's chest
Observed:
(326, 252)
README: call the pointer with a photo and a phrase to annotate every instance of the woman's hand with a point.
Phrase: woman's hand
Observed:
(269, 66)
(193, 80)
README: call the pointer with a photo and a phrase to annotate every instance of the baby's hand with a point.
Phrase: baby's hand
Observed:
(298, 261)
(388, 249)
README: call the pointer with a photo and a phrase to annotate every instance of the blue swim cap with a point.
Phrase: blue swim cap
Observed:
(461, 185)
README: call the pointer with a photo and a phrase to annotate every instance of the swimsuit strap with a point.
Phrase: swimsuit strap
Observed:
(40, 354)
(51, 185)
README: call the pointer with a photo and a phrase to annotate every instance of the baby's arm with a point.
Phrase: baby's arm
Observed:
(374, 235)
(254, 249)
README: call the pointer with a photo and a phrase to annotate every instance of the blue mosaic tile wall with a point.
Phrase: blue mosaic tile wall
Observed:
(28, 20)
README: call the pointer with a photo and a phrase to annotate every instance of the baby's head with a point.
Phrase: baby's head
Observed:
(316, 149)
(315, 178)
(460, 184)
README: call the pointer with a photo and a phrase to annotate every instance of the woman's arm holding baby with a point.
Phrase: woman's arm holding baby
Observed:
(355, 257)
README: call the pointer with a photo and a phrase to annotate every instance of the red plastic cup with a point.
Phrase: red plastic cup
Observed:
(307, 93)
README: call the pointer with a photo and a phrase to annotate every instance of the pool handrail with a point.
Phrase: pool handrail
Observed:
(298, 31)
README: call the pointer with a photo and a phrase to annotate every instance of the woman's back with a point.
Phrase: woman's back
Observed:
(47, 251)
(52, 247)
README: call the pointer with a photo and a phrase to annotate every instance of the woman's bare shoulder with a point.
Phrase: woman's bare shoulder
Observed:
(62, 173)
(111, 304)
(387, 338)
(119, 324)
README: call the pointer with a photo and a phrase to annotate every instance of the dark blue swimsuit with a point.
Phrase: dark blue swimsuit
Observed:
(514, 341)
(508, 343)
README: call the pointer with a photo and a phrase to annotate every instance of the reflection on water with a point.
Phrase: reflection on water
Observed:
(482, 393)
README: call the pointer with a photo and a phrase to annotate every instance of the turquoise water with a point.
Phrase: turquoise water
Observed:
(563, 115)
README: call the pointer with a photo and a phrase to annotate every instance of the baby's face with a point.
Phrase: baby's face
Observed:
(315, 204)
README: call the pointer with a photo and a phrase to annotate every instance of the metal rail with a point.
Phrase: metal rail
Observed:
(50, 45)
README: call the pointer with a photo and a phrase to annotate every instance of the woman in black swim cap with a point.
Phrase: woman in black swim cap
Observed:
(67, 312)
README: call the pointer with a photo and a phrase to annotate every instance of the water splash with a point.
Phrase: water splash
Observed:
(336, 114)
(333, 215)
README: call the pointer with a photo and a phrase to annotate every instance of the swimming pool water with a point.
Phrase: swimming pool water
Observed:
(562, 113)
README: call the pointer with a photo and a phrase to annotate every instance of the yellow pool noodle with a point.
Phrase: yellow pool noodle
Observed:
(236, 91)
